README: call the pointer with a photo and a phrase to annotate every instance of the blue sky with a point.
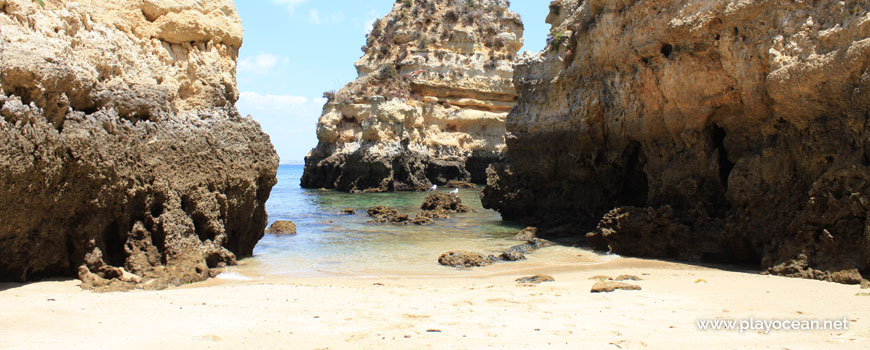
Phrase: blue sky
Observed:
(294, 50)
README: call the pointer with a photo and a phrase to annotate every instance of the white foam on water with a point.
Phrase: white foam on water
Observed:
(233, 276)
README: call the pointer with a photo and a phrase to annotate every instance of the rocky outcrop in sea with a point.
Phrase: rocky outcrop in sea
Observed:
(708, 131)
(122, 157)
(429, 104)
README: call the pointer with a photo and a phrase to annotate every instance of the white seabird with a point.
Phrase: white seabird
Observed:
(433, 188)
(455, 191)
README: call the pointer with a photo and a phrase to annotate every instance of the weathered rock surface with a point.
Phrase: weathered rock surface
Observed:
(627, 278)
(444, 203)
(537, 279)
(526, 234)
(609, 286)
(461, 258)
(384, 214)
(713, 131)
(530, 246)
(461, 184)
(511, 255)
(515, 253)
(122, 157)
(282, 227)
(435, 206)
(429, 104)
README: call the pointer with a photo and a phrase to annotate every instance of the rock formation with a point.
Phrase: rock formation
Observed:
(282, 227)
(122, 156)
(429, 104)
(714, 131)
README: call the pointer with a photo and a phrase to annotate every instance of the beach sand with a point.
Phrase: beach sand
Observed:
(484, 309)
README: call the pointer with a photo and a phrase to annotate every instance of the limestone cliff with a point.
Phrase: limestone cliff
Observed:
(716, 131)
(429, 104)
(122, 157)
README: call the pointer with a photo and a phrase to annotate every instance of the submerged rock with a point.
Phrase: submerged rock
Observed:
(461, 258)
(422, 220)
(429, 104)
(708, 133)
(380, 212)
(537, 279)
(133, 168)
(609, 286)
(387, 215)
(530, 246)
(282, 227)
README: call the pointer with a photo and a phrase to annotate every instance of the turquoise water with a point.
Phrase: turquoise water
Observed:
(329, 243)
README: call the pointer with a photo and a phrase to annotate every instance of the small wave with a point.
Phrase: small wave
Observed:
(234, 276)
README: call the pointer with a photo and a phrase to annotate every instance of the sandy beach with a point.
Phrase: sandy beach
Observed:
(486, 308)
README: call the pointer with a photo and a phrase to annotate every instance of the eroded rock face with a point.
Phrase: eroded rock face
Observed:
(282, 227)
(122, 157)
(718, 131)
(429, 105)
(461, 258)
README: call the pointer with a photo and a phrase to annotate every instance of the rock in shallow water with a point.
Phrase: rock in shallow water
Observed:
(429, 103)
(461, 184)
(435, 206)
(511, 255)
(282, 227)
(444, 203)
(526, 234)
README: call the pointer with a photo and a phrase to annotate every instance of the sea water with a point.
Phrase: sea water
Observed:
(331, 243)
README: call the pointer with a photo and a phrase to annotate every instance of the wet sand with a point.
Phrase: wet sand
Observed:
(451, 310)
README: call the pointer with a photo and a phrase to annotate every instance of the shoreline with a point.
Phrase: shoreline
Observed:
(489, 308)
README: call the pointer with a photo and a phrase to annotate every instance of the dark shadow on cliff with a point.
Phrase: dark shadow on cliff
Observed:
(567, 235)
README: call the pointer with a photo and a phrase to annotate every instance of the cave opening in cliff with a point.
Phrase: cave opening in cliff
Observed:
(114, 240)
(666, 50)
(635, 183)
(725, 166)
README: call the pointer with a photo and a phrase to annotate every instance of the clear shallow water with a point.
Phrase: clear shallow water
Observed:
(330, 243)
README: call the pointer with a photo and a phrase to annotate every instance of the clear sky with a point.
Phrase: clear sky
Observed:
(294, 50)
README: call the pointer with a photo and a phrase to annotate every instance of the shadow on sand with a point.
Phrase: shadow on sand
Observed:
(4, 286)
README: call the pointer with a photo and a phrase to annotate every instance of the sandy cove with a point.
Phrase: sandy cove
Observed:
(489, 309)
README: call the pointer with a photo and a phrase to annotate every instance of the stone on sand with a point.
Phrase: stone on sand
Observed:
(627, 278)
(537, 279)
(608, 286)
